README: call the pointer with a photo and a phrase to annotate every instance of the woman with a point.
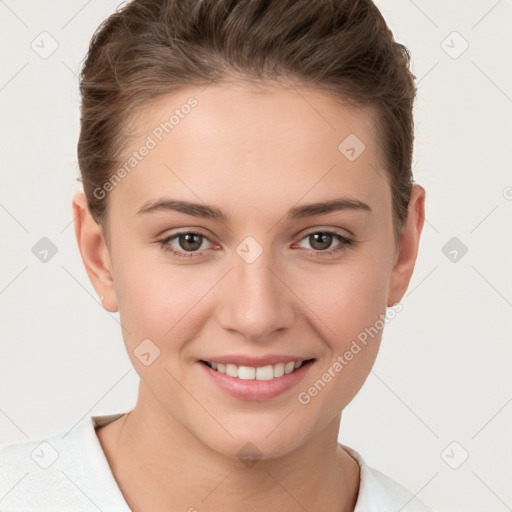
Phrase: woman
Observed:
(249, 210)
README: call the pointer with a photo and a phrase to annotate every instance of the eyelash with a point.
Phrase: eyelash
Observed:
(345, 241)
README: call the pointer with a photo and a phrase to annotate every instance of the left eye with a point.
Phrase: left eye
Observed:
(322, 240)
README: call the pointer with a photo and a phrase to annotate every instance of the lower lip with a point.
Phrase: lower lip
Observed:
(256, 389)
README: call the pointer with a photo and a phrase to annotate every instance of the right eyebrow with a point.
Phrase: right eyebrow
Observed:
(187, 207)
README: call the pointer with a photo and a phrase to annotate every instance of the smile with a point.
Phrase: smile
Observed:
(268, 372)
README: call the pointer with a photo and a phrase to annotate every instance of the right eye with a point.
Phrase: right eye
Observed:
(189, 241)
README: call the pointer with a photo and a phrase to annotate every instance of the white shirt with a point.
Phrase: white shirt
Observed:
(69, 472)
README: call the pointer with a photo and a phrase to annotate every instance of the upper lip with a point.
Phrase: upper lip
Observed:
(244, 360)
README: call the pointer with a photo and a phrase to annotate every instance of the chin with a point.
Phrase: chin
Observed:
(256, 442)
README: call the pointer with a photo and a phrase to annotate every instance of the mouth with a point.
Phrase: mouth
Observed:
(268, 372)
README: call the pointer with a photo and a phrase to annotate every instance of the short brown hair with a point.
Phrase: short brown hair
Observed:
(150, 48)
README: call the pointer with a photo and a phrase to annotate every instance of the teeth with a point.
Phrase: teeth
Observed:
(289, 367)
(231, 370)
(246, 372)
(279, 370)
(265, 372)
(268, 372)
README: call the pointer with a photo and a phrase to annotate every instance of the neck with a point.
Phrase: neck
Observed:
(159, 465)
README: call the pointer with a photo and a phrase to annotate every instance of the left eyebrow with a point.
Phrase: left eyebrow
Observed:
(212, 212)
(312, 209)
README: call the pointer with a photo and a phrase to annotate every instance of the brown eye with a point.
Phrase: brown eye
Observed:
(190, 241)
(320, 241)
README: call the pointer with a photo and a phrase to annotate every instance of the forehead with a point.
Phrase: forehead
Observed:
(253, 141)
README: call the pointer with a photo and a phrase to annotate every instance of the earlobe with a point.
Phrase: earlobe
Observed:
(94, 251)
(408, 246)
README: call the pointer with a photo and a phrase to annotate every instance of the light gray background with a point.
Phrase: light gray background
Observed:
(444, 370)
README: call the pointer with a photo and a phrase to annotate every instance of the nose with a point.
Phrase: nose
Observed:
(256, 300)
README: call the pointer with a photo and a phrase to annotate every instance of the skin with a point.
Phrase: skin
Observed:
(239, 149)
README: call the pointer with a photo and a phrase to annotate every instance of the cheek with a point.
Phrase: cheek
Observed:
(351, 304)
(347, 297)
(153, 298)
(158, 300)
(162, 302)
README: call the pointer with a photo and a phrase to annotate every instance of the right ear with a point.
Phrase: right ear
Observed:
(94, 251)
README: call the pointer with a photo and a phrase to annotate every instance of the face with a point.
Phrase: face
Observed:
(250, 277)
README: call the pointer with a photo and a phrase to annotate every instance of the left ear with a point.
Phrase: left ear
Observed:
(408, 246)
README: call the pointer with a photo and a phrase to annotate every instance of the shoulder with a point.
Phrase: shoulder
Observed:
(29, 471)
(380, 493)
(65, 471)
